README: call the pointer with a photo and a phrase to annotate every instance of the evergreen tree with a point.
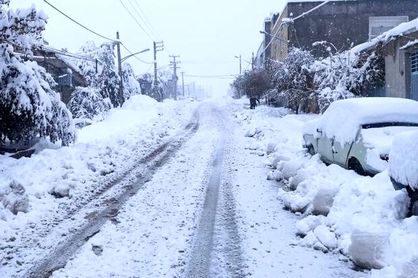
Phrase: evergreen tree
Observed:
(29, 108)
(106, 79)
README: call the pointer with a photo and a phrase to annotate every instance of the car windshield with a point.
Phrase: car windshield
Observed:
(388, 124)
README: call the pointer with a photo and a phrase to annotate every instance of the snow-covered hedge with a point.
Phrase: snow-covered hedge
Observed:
(87, 103)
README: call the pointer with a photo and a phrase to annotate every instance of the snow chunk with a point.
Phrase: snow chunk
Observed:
(309, 223)
(326, 237)
(324, 200)
(366, 249)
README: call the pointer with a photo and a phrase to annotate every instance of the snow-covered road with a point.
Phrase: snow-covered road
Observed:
(208, 212)
(198, 206)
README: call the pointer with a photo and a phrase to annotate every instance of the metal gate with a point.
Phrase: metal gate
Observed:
(414, 76)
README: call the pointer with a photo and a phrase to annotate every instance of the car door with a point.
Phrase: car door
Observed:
(325, 147)
(340, 152)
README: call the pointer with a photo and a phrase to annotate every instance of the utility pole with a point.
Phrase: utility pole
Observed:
(158, 46)
(240, 63)
(252, 61)
(175, 78)
(182, 81)
(119, 69)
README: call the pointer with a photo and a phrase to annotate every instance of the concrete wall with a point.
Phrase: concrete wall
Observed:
(394, 75)
(397, 66)
(279, 46)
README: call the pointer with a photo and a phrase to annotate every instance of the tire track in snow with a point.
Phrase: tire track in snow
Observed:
(149, 164)
(217, 243)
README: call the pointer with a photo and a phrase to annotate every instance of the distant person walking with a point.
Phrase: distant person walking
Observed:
(253, 102)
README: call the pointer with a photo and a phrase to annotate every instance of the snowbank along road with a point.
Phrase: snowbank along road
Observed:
(199, 205)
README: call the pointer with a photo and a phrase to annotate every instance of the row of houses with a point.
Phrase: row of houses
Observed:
(355, 25)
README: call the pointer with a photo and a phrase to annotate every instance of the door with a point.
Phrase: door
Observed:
(340, 153)
(325, 147)
(414, 76)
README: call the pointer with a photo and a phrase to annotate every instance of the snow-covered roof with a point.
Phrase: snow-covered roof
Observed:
(402, 29)
(344, 117)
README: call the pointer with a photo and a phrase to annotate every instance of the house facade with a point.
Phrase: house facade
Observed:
(64, 73)
(401, 66)
(341, 24)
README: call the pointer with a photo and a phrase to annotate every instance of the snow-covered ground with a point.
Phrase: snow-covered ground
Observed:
(338, 210)
(252, 160)
(38, 192)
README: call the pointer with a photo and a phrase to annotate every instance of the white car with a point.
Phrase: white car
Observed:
(357, 133)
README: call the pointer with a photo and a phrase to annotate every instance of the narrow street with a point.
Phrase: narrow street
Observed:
(204, 139)
(198, 207)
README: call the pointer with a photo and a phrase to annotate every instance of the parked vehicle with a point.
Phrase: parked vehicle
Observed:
(358, 133)
(403, 167)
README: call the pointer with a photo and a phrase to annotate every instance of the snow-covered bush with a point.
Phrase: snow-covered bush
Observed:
(342, 76)
(254, 83)
(294, 72)
(106, 79)
(87, 103)
(29, 108)
(131, 86)
(292, 82)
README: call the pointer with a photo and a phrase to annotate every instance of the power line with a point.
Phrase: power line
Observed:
(78, 23)
(292, 20)
(212, 76)
(137, 9)
(136, 20)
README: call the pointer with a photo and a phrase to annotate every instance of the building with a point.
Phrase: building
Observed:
(341, 24)
(399, 46)
(61, 69)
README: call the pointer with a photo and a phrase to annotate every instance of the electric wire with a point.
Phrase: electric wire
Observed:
(142, 17)
(136, 20)
(78, 23)
(231, 76)
(294, 19)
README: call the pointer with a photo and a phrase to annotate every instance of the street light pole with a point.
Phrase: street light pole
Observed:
(133, 54)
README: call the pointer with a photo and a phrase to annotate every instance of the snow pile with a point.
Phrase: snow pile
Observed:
(403, 162)
(35, 188)
(342, 212)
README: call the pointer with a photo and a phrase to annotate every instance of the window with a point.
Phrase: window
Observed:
(381, 24)
(414, 63)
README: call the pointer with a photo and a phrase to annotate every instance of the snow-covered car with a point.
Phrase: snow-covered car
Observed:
(403, 166)
(357, 133)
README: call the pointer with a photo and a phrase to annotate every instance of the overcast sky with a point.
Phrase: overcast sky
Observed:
(206, 34)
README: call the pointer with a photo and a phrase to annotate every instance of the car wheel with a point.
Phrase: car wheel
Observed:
(413, 208)
(310, 150)
(354, 164)
(413, 202)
